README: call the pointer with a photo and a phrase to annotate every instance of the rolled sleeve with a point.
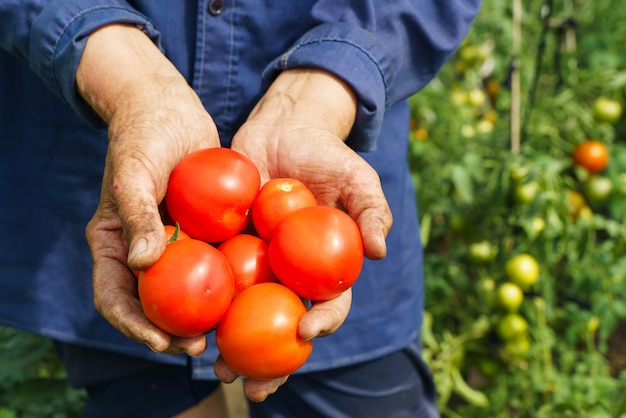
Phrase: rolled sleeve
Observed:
(353, 55)
(385, 50)
(58, 38)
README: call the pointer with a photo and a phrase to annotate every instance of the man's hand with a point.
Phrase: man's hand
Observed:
(155, 119)
(298, 130)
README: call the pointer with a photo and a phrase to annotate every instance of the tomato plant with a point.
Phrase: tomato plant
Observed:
(317, 252)
(188, 289)
(210, 193)
(277, 198)
(248, 259)
(258, 336)
(592, 155)
(558, 366)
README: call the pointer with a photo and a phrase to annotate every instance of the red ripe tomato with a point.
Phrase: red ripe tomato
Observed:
(277, 198)
(592, 155)
(248, 260)
(317, 252)
(258, 336)
(210, 192)
(188, 289)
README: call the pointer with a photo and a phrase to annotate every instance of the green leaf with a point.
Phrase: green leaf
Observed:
(462, 183)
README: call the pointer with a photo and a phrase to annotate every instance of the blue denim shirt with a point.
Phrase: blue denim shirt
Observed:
(52, 153)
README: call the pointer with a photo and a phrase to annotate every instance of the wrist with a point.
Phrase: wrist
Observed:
(311, 96)
(119, 68)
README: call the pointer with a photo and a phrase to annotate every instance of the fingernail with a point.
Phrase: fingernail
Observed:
(138, 247)
(151, 348)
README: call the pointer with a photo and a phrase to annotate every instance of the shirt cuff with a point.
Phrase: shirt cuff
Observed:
(58, 39)
(352, 54)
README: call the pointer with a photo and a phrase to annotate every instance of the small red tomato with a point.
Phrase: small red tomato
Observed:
(210, 192)
(258, 336)
(276, 199)
(592, 155)
(317, 252)
(247, 256)
(188, 289)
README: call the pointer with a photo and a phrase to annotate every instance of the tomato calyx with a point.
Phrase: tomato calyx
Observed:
(175, 234)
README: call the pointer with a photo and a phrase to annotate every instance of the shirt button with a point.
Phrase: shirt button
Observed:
(216, 7)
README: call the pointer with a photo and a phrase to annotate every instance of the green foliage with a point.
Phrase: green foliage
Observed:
(481, 204)
(33, 382)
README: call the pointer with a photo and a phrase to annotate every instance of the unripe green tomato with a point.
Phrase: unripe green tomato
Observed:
(457, 222)
(526, 193)
(487, 285)
(469, 52)
(477, 97)
(458, 97)
(523, 270)
(517, 347)
(585, 213)
(509, 296)
(487, 288)
(468, 131)
(518, 173)
(607, 110)
(482, 252)
(598, 188)
(511, 326)
(484, 126)
(537, 225)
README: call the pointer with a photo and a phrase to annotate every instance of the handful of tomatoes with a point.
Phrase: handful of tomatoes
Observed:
(243, 257)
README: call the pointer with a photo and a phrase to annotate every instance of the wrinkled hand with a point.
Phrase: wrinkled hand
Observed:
(155, 119)
(297, 130)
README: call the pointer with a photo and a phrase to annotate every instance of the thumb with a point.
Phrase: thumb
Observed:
(325, 317)
(134, 198)
(146, 239)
